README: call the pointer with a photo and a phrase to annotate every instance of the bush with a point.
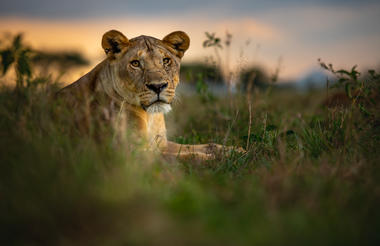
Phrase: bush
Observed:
(254, 77)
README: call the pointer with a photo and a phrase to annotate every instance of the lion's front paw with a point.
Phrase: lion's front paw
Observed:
(194, 156)
(218, 148)
(240, 150)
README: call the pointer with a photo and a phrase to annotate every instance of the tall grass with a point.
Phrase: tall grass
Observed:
(310, 175)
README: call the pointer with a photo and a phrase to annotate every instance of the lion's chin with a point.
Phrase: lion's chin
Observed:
(158, 107)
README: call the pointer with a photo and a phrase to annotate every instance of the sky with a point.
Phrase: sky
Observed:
(295, 32)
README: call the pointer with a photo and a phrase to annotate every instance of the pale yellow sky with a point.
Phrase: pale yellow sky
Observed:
(298, 35)
(85, 35)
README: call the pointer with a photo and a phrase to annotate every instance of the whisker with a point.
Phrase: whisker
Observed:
(176, 100)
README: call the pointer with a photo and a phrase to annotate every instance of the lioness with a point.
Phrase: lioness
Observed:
(135, 86)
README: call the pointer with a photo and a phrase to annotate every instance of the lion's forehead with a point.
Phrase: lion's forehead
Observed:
(143, 37)
(147, 50)
(146, 44)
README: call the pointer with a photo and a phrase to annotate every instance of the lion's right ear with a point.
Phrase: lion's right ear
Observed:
(113, 42)
(178, 41)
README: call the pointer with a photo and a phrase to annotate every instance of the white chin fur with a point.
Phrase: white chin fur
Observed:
(159, 108)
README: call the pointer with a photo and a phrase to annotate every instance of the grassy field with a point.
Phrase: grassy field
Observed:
(310, 177)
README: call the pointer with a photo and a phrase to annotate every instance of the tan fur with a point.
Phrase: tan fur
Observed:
(123, 88)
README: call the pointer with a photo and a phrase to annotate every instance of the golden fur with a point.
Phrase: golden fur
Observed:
(134, 87)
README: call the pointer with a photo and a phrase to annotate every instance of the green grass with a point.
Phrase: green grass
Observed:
(310, 177)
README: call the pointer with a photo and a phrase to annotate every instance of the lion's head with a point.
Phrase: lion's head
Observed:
(144, 71)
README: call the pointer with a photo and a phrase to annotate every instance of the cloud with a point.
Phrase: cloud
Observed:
(123, 8)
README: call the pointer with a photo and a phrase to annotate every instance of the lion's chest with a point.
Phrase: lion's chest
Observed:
(156, 130)
(132, 119)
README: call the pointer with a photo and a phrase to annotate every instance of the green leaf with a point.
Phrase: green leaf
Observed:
(363, 110)
(323, 65)
(23, 64)
(210, 35)
(17, 42)
(354, 74)
(255, 137)
(348, 90)
(7, 58)
(342, 71)
(271, 127)
(353, 69)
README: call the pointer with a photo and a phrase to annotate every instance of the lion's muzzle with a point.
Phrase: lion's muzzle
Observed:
(157, 88)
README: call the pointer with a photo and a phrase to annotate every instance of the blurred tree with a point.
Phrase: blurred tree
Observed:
(61, 60)
(254, 77)
(190, 72)
(17, 54)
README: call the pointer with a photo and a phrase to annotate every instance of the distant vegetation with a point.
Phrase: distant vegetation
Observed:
(218, 70)
(14, 53)
(254, 77)
(190, 72)
(63, 60)
(311, 174)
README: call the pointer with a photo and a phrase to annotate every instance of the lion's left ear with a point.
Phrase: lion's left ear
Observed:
(178, 41)
(113, 42)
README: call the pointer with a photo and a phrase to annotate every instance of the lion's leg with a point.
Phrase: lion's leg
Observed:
(209, 149)
(189, 156)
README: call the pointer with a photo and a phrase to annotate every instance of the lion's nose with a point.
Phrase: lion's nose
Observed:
(157, 87)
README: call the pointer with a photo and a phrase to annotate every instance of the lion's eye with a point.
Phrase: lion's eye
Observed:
(135, 63)
(166, 61)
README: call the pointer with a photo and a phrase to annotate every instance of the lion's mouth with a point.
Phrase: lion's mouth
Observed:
(158, 106)
(158, 101)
